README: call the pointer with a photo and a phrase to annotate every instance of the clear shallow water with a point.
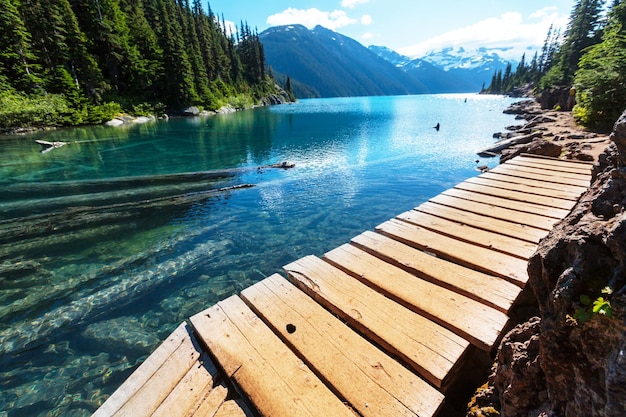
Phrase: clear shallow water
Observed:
(82, 303)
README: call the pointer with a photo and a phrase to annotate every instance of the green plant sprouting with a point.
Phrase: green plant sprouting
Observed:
(601, 305)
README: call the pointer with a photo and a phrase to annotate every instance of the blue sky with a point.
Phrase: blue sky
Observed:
(412, 27)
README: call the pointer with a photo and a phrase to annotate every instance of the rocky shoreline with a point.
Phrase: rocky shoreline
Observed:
(567, 358)
(545, 132)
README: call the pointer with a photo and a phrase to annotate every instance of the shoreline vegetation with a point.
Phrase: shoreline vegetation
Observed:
(71, 64)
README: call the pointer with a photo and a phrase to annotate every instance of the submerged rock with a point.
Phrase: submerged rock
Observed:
(121, 334)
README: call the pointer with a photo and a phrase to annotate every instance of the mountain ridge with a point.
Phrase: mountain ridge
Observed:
(333, 65)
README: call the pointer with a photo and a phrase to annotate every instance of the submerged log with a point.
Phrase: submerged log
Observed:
(58, 188)
(128, 288)
(48, 146)
(19, 229)
(109, 274)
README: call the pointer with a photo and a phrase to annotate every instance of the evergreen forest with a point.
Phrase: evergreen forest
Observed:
(589, 59)
(73, 62)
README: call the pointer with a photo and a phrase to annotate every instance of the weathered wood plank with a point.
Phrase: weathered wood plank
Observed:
(373, 383)
(568, 192)
(520, 166)
(551, 168)
(155, 390)
(466, 233)
(185, 396)
(144, 372)
(516, 195)
(545, 211)
(550, 159)
(553, 164)
(471, 319)
(509, 227)
(542, 175)
(490, 211)
(489, 290)
(518, 186)
(472, 256)
(425, 346)
(212, 401)
(232, 408)
(254, 358)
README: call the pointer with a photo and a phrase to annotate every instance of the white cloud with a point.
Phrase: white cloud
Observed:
(231, 27)
(509, 30)
(351, 4)
(311, 18)
(366, 19)
(367, 36)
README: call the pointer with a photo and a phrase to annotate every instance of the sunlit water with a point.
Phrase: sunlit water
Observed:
(81, 307)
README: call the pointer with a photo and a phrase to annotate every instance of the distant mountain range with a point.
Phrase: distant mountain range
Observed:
(323, 63)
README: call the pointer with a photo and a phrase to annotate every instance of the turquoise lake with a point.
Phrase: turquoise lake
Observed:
(103, 252)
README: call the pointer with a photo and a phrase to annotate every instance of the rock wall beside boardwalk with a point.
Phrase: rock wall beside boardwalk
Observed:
(570, 360)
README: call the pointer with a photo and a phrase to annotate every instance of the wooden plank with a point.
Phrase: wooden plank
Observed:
(186, 395)
(212, 401)
(542, 175)
(266, 371)
(472, 256)
(425, 346)
(553, 164)
(509, 227)
(144, 372)
(524, 188)
(471, 319)
(491, 211)
(466, 233)
(232, 408)
(548, 172)
(489, 290)
(551, 159)
(568, 191)
(373, 383)
(516, 195)
(154, 391)
(545, 211)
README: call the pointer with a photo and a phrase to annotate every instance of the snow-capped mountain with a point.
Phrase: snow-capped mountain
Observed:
(460, 58)
(458, 69)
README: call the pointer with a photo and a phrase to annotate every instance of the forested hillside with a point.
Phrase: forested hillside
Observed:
(589, 60)
(69, 62)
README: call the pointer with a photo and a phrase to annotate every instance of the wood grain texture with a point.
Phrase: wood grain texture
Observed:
(462, 231)
(424, 345)
(488, 289)
(466, 254)
(373, 383)
(274, 380)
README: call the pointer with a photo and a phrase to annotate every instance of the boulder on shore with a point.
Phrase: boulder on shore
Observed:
(536, 147)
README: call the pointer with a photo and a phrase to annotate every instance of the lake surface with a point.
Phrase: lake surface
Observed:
(103, 252)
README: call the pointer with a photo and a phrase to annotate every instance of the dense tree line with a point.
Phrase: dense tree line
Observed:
(590, 57)
(65, 62)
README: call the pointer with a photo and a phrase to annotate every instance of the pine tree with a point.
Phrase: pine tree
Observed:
(201, 80)
(147, 71)
(180, 90)
(601, 80)
(583, 30)
(17, 59)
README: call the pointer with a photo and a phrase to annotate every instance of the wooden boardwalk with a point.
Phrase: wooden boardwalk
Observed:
(380, 326)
